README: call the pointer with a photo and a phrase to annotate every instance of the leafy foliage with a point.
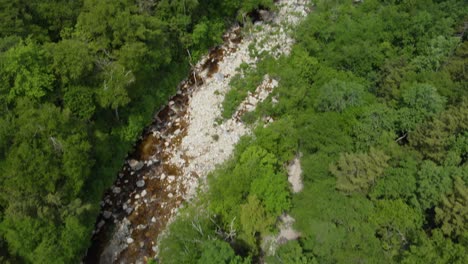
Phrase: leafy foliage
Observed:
(78, 82)
(373, 97)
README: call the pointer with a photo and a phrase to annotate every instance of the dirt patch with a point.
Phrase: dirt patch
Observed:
(295, 175)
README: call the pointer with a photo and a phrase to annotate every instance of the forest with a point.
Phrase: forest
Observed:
(79, 80)
(373, 99)
(374, 102)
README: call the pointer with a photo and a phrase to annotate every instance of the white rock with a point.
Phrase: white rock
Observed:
(170, 178)
(143, 193)
(170, 195)
(153, 219)
(129, 240)
(140, 183)
(135, 164)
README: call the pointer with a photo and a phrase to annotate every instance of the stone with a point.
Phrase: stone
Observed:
(274, 100)
(140, 183)
(163, 176)
(170, 178)
(137, 196)
(116, 190)
(143, 193)
(129, 240)
(106, 214)
(141, 227)
(219, 77)
(153, 220)
(129, 210)
(100, 224)
(135, 164)
(170, 195)
(265, 15)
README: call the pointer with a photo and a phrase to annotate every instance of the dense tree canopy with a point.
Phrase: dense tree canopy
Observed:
(78, 82)
(374, 97)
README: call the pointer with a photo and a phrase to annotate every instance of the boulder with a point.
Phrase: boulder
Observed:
(140, 183)
(100, 224)
(106, 214)
(135, 164)
(116, 190)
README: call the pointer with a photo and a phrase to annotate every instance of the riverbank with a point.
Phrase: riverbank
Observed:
(186, 141)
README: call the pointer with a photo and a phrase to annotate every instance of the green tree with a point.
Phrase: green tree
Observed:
(255, 221)
(452, 213)
(434, 138)
(24, 69)
(420, 101)
(436, 249)
(292, 253)
(114, 92)
(217, 251)
(338, 95)
(72, 60)
(357, 172)
(396, 223)
(80, 101)
(433, 182)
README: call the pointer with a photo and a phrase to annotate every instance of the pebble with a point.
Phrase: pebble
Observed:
(129, 240)
(106, 214)
(140, 183)
(116, 190)
(143, 193)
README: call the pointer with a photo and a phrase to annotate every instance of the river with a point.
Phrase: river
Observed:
(185, 142)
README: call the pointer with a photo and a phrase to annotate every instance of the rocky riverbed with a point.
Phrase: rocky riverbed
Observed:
(185, 141)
